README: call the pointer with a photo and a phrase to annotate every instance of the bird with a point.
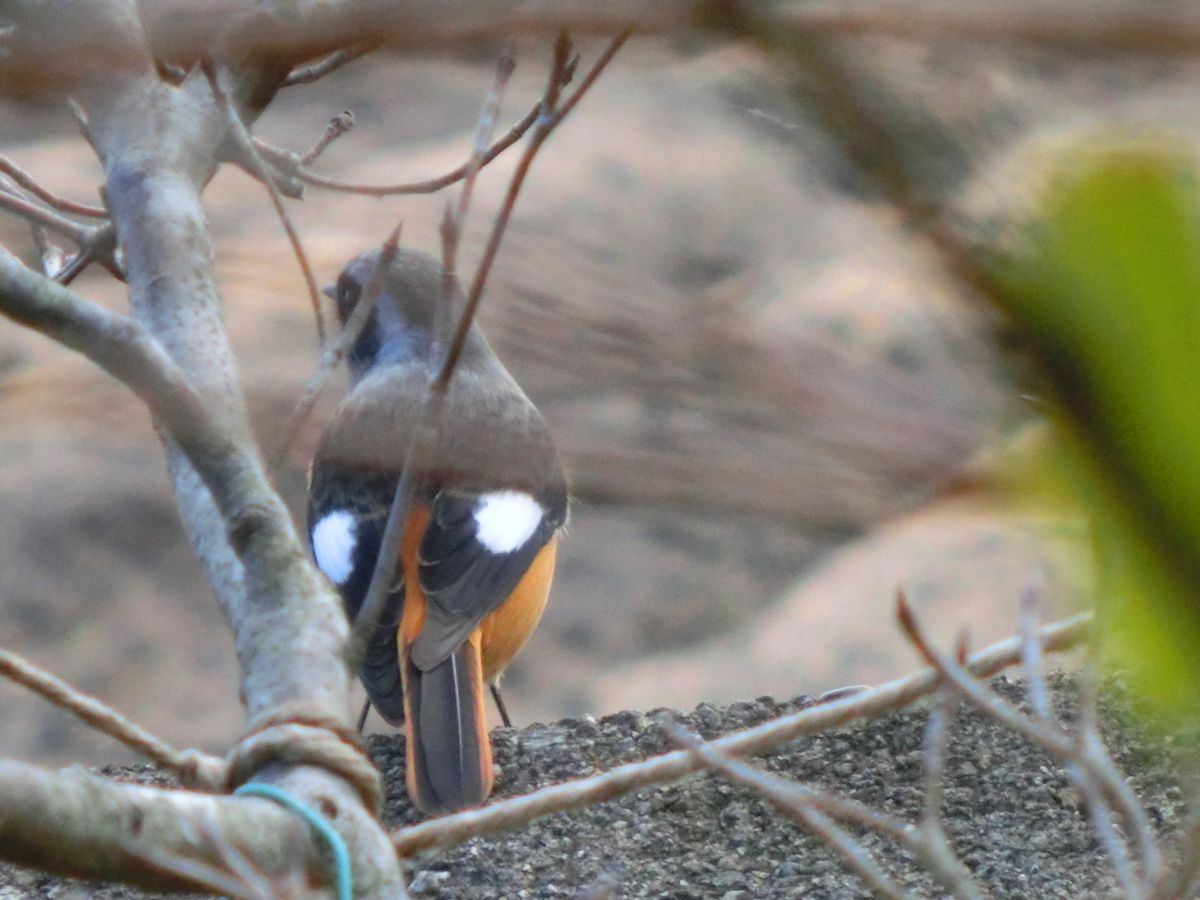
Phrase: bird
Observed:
(480, 542)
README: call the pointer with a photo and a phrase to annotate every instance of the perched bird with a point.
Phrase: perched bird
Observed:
(479, 546)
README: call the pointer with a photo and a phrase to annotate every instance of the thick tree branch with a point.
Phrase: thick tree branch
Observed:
(111, 828)
(158, 145)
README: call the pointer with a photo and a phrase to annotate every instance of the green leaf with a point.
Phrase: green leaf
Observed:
(1110, 296)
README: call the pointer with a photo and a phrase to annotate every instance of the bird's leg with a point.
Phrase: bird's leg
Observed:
(503, 710)
(362, 717)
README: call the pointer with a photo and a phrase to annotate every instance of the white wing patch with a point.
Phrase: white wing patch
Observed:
(333, 540)
(504, 520)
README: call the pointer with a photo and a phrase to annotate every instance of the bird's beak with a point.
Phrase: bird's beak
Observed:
(330, 291)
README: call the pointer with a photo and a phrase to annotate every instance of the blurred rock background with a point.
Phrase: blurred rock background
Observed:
(774, 408)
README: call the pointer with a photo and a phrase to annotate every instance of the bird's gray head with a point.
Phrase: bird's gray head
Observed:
(403, 326)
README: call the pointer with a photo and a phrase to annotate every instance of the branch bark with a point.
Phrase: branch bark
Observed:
(158, 145)
(110, 827)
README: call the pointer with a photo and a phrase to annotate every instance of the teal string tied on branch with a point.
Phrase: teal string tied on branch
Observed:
(343, 884)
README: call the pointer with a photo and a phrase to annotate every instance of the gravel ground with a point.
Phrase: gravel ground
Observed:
(1011, 813)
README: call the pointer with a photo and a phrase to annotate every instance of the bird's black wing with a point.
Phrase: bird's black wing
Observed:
(462, 578)
(367, 500)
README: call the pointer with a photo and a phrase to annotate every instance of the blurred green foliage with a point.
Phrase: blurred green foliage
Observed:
(1109, 294)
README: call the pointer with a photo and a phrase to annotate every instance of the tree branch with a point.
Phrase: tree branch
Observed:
(450, 831)
(158, 146)
(331, 63)
(27, 181)
(111, 828)
(245, 142)
(193, 767)
(42, 217)
(298, 166)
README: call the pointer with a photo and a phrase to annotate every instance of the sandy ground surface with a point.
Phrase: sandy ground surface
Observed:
(1010, 811)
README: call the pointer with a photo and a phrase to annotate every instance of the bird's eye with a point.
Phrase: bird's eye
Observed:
(348, 292)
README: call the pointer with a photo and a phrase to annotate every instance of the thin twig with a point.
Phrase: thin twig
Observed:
(77, 263)
(310, 73)
(431, 185)
(804, 805)
(935, 849)
(383, 575)
(1089, 791)
(52, 256)
(340, 124)
(1116, 790)
(242, 135)
(27, 181)
(333, 354)
(1100, 772)
(549, 118)
(453, 222)
(454, 218)
(1031, 655)
(203, 875)
(1052, 740)
(103, 717)
(283, 165)
(43, 217)
(450, 831)
(937, 743)
(1176, 884)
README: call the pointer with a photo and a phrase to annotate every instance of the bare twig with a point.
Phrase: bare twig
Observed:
(44, 218)
(805, 805)
(241, 134)
(107, 720)
(1031, 655)
(1097, 761)
(52, 256)
(383, 575)
(452, 223)
(1099, 775)
(97, 243)
(283, 164)
(455, 217)
(321, 68)
(452, 830)
(936, 849)
(336, 351)
(431, 185)
(206, 876)
(549, 118)
(1089, 790)
(340, 124)
(1172, 885)
(937, 742)
(27, 181)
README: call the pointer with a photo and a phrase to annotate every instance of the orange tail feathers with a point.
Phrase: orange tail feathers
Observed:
(449, 755)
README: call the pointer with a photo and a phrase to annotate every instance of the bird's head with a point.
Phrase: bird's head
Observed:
(403, 325)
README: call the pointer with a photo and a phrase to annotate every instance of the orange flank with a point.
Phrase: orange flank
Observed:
(485, 653)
